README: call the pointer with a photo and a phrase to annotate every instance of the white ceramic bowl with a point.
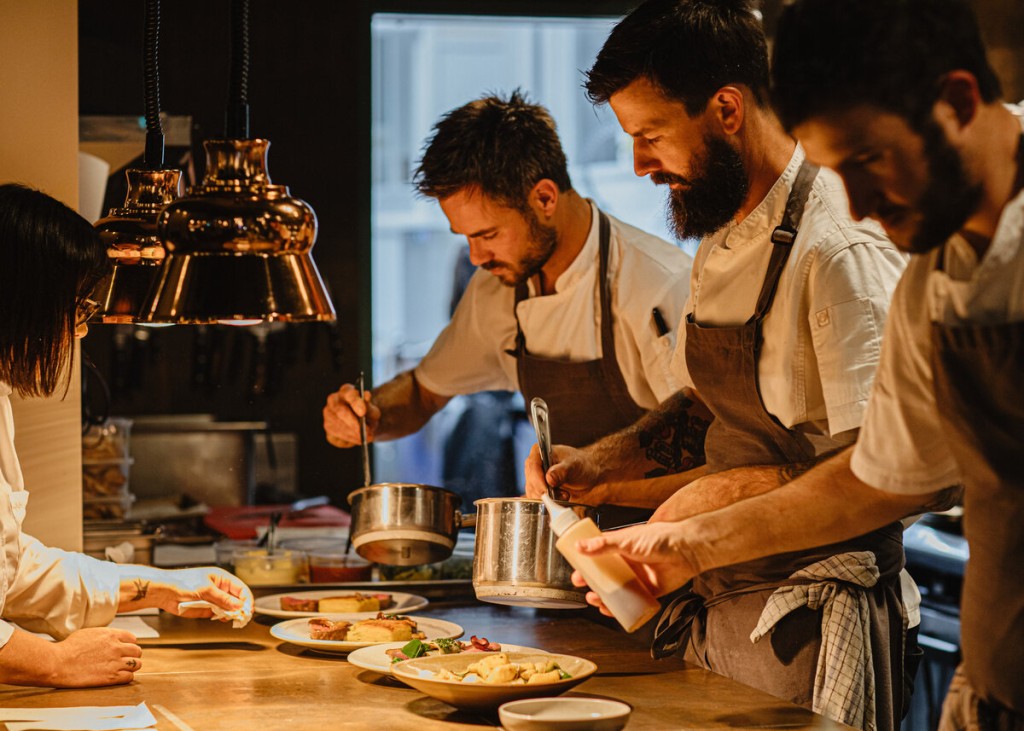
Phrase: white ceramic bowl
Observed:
(564, 714)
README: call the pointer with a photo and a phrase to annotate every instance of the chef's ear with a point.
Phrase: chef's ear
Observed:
(543, 197)
(958, 100)
(727, 107)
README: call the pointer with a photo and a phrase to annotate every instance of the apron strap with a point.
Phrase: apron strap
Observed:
(783, 237)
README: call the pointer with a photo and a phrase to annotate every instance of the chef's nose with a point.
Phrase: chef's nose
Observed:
(477, 254)
(644, 162)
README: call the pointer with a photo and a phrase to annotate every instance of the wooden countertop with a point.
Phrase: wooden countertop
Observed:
(214, 678)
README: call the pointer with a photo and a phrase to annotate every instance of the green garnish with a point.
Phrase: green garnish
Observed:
(411, 649)
(448, 646)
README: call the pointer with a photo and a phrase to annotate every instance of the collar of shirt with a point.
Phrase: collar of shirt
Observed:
(756, 227)
(584, 260)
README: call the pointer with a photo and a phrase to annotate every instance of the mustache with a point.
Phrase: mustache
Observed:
(662, 178)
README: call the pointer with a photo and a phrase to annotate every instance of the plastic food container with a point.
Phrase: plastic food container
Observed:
(256, 567)
(224, 551)
(336, 567)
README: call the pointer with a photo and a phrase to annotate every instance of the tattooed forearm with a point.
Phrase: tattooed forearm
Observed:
(673, 437)
(141, 589)
(789, 472)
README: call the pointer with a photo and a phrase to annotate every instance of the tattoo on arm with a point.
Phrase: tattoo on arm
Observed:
(673, 438)
(141, 589)
(789, 472)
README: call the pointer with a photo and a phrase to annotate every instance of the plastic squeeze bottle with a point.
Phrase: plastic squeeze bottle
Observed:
(626, 597)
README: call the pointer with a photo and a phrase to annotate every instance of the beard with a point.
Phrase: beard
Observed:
(540, 246)
(949, 198)
(713, 196)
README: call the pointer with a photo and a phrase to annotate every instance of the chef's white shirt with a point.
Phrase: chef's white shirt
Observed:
(902, 447)
(43, 589)
(822, 335)
(645, 272)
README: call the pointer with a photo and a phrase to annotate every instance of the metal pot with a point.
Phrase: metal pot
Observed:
(403, 524)
(515, 560)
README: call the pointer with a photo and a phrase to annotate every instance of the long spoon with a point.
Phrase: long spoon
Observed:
(542, 426)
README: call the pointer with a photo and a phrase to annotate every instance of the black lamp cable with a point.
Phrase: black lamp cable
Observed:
(237, 118)
(154, 156)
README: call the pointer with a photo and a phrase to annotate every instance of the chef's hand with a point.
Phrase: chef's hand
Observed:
(342, 413)
(96, 656)
(572, 471)
(657, 552)
(146, 586)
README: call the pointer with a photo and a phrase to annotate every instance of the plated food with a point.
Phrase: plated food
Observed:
(382, 628)
(351, 602)
(447, 677)
(337, 636)
(380, 658)
(271, 605)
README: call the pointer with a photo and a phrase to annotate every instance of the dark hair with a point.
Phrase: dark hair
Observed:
(687, 48)
(50, 259)
(502, 146)
(833, 54)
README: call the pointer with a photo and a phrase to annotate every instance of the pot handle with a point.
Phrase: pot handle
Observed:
(465, 521)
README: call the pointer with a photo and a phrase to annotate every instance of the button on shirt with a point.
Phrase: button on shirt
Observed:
(645, 272)
(43, 589)
(903, 446)
(822, 335)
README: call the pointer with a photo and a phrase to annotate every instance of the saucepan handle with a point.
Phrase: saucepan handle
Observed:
(465, 521)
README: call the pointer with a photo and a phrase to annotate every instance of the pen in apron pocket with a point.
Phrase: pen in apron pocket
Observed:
(660, 326)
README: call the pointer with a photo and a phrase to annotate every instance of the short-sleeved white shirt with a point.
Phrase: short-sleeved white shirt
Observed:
(822, 335)
(43, 589)
(902, 447)
(645, 272)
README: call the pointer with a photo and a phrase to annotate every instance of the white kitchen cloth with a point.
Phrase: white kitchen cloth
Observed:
(135, 625)
(844, 686)
(79, 718)
(239, 617)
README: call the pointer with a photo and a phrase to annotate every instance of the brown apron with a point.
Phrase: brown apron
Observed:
(979, 392)
(587, 399)
(713, 621)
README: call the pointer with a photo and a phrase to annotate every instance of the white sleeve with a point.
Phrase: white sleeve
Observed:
(467, 356)
(58, 592)
(901, 447)
(849, 290)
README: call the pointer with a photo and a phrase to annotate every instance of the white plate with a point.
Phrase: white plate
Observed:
(296, 631)
(271, 604)
(375, 657)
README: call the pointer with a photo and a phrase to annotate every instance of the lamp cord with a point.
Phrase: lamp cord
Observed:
(237, 123)
(154, 157)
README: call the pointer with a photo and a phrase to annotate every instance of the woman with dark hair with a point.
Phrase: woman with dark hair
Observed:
(50, 259)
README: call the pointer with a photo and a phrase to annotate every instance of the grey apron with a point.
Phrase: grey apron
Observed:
(712, 621)
(587, 399)
(979, 391)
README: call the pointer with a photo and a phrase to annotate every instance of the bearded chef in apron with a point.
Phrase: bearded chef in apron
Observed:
(568, 303)
(925, 146)
(780, 341)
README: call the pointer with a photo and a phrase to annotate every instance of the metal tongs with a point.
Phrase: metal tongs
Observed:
(542, 426)
(366, 456)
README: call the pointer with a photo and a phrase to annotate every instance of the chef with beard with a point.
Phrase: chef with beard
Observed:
(780, 340)
(568, 303)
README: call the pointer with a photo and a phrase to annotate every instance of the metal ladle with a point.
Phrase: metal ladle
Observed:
(366, 456)
(542, 427)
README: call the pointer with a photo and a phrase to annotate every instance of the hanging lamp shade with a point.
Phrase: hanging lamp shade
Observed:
(237, 247)
(133, 246)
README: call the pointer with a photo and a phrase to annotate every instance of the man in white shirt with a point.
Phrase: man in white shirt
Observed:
(918, 132)
(568, 303)
(780, 340)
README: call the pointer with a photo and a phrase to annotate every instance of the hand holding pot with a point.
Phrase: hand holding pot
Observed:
(573, 471)
(342, 412)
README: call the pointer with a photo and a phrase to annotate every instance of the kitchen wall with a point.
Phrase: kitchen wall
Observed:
(39, 147)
